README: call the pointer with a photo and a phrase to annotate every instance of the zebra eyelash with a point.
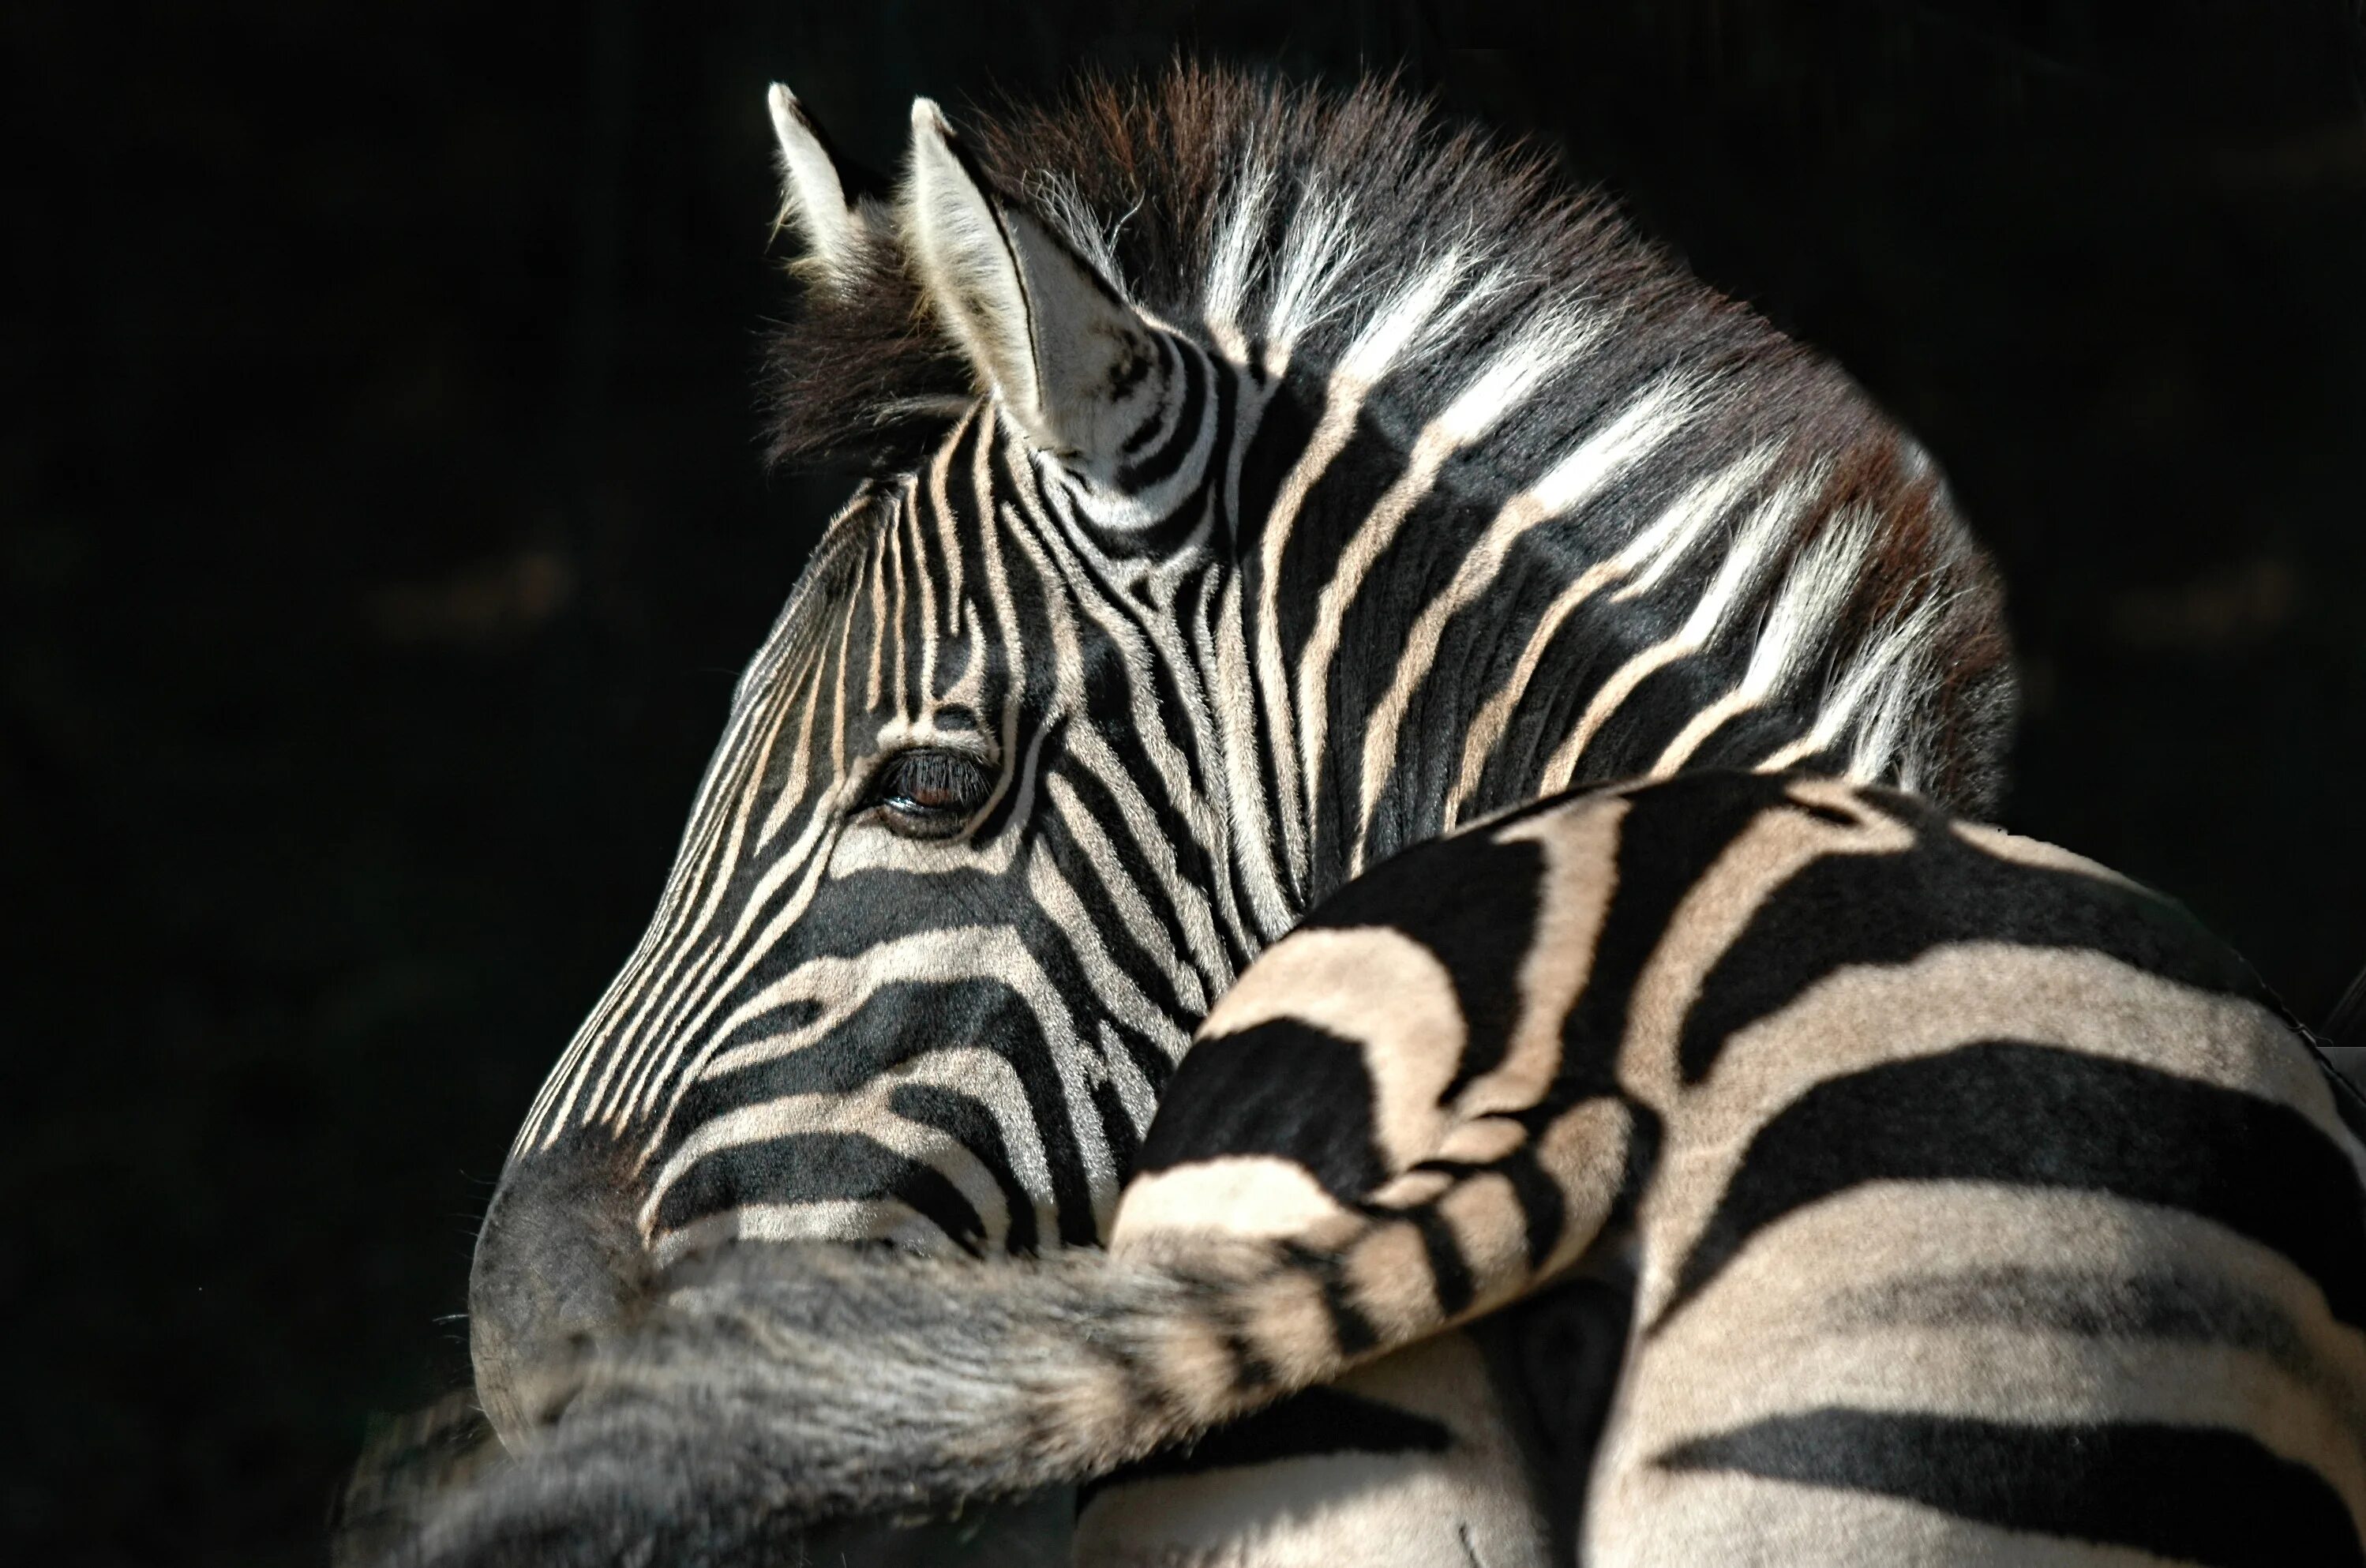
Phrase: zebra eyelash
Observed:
(928, 791)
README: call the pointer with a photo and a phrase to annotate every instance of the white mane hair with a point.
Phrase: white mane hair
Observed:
(1286, 224)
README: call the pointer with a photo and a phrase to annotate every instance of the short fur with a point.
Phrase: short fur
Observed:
(1285, 479)
(1976, 1196)
(1139, 177)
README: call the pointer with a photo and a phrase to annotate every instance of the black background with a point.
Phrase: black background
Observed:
(381, 527)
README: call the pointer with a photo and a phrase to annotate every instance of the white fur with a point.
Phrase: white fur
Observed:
(1043, 332)
(812, 197)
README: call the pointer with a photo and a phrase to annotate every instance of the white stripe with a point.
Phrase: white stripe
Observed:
(1059, 558)
(1233, 260)
(993, 860)
(1320, 244)
(1511, 376)
(1670, 534)
(1747, 557)
(1114, 991)
(1862, 684)
(1374, 350)
(1141, 922)
(805, 699)
(1814, 593)
(862, 1113)
(833, 1219)
(1580, 475)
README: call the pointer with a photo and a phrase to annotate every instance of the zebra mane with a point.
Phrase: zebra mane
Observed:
(1254, 210)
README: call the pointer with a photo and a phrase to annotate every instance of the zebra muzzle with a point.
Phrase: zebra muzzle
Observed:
(559, 1264)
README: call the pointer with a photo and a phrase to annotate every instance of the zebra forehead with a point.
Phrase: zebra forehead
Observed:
(895, 549)
(824, 592)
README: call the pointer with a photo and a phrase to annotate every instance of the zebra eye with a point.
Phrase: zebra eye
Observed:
(930, 793)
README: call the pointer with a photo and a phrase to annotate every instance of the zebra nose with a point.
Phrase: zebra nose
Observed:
(559, 1261)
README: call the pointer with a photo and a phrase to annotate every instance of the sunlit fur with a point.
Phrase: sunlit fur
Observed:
(1366, 483)
(1581, 458)
(1985, 1211)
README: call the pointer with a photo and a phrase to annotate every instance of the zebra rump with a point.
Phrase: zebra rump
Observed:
(1983, 1210)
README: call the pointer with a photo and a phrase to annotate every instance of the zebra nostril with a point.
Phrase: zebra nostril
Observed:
(559, 1263)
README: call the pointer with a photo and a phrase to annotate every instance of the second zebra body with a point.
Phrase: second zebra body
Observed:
(1981, 1210)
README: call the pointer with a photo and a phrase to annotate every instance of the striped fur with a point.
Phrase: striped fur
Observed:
(1983, 1211)
(1262, 482)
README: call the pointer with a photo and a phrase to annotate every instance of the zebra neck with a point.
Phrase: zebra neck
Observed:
(1446, 627)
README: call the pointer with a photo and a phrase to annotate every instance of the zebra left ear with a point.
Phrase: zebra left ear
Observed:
(1078, 368)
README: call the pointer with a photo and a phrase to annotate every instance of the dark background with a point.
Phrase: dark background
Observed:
(381, 527)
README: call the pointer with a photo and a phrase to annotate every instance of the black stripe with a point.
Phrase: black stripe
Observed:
(1672, 833)
(930, 563)
(2197, 1494)
(1363, 467)
(713, 1092)
(1162, 354)
(1449, 1274)
(1224, 393)
(1117, 1124)
(1252, 1373)
(1541, 1202)
(1646, 1132)
(1892, 908)
(1280, 1088)
(1372, 628)
(1497, 823)
(966, 1119)
(2164, 1303)
(1633, 735)
(1746, 739)
(1472, 902)
(1590, 645)
(1276, 441)
(814, 1168)
(1025, 1038)
(2040, 1116)
(1098, 879)
(1349, 1326)
(894, 1021)
(1160, 465)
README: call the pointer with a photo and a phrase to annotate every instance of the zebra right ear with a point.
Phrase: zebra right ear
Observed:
(814, 197)
(1079, 369)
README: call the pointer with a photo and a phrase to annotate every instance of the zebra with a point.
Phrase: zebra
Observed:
(1980, 1209)
(1257, 481)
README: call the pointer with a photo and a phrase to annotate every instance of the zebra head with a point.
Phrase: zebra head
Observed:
(953, 892)
(1258, 483)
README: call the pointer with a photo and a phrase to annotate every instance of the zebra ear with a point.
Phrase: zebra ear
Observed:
(1078, 368)
(813, 196)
